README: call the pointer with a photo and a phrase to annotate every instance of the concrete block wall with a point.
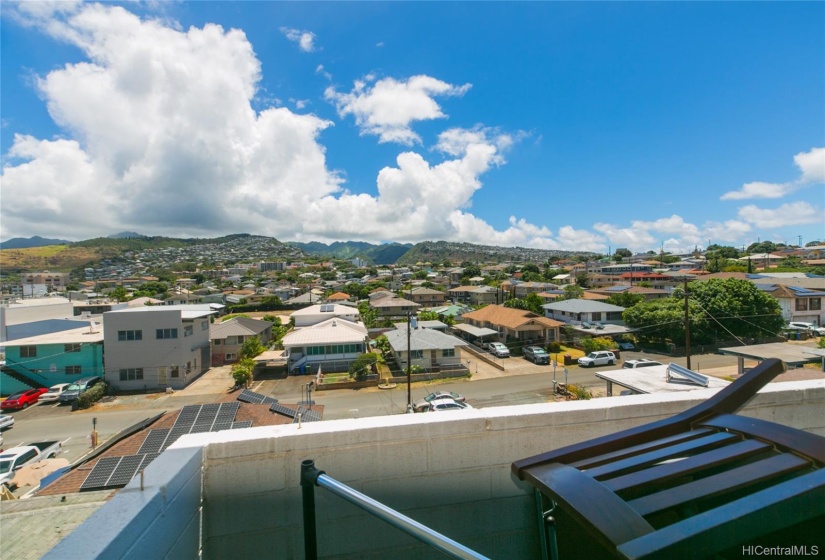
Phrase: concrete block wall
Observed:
(162, 520)
(448, 471)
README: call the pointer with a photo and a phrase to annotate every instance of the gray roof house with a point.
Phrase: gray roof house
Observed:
(228, 337)
(431, 350)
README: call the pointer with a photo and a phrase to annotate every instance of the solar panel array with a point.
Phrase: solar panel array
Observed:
(193, 419)
(252, 397)
(800, 291)
(617, 288)
(306, 415)
(282, 410)
(116, 472)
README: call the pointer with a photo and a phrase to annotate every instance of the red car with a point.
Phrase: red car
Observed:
(22, 399)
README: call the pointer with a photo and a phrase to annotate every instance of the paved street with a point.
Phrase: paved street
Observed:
(522, 382)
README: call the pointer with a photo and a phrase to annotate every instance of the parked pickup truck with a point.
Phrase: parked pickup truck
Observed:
(14, 458)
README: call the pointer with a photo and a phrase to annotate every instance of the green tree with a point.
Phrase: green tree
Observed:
(368, 315)
(621, 253)
(531, 303)
(625, 299)
(427, 316)
(382, 343)
(251, 347)
(241, 372)
(470, 269)
(119, 294)
(571, 291)
(737, 307)
(582, 280)
(662, 320)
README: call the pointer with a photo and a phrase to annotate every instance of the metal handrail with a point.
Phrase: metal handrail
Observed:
(311, 477)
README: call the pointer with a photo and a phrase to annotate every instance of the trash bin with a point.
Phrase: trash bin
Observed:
(75, 406)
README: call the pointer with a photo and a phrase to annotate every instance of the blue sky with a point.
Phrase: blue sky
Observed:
(581, 126)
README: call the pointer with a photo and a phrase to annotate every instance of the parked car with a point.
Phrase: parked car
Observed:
(6, 421)
(600, 358)
(499, 349)
(423, 405)
(536, 354)
(54, 392)
(641, 362)
(624, 345)
(78, 388)
(439, 405)
(14, 458)
(22, 399)
(803, 326)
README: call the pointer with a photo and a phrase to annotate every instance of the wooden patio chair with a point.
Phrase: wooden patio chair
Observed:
(696, 485)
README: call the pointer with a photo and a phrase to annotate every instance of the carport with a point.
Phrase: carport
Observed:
(791, 354)
(475, 332)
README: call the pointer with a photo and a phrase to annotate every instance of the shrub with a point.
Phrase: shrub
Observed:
(581, 393)
(554, 347)
(91, 396)
(363, 365)
(594, 344)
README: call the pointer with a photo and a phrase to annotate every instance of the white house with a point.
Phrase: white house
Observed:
(315, 314)
(576, 311)
(155, 347)
(332, 345)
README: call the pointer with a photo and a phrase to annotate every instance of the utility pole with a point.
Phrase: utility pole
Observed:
(687, 326)
(409, 364)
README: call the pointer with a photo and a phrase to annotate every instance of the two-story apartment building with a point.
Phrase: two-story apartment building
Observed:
(150, 348)
(427, 297)
(48, 359)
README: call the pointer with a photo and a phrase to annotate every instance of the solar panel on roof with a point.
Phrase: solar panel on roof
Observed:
(154, 441)
(765, 287)
(125, 471)
(147, 458)
(248, 396)
(219, 426)
(282, 410)
(243, 424)
(174, 434)
(617, 288)
(100, 474)
(800, 291)
(269, 400)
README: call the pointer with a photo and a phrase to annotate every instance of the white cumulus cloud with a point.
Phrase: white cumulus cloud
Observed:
(786, 215)
(812, 166)
(305, 39)
(388, 108)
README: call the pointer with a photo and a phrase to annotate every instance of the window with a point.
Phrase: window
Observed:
(123, 336)
(131, 374)
(230, 357)
(448, 353)
(166, 333)
(175, 371)
(188, 330)
(815, 304)
(73, 370)
(801, 304)
(71, 347)
(28, 351)
(417, 354)
(204, 325)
